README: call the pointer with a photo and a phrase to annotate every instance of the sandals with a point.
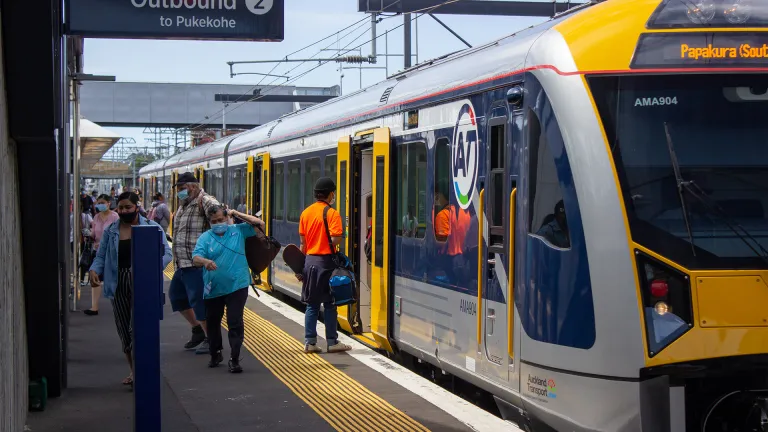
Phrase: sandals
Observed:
(128, 380)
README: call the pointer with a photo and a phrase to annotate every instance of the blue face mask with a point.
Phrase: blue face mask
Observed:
(219, 228)
(101, 207)
(183, 194)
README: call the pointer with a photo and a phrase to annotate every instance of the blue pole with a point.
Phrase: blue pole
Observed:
(148, 299)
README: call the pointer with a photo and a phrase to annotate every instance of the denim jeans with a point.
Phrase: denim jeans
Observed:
(310, 323)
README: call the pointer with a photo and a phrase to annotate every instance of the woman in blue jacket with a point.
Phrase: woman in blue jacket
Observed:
(113, 265)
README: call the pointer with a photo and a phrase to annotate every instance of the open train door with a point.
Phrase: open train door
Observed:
(362, 186)
(258, 187)
(381, 238)
(343, 206)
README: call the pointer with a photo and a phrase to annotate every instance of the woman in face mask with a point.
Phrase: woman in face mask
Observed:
(113, 265)
(104, 218)
(221, 252)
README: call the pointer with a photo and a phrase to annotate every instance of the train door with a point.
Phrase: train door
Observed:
(257, 187)
(496, 259)
(363, 174)
(200, 175)
(172, 199)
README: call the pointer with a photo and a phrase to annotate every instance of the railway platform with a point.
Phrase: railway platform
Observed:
(281, 388)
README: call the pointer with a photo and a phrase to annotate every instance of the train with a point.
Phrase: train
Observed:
(571, 218)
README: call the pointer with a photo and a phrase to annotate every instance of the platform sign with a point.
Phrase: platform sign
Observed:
(248, 20)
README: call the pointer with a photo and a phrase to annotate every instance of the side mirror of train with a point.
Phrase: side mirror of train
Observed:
(515, 96)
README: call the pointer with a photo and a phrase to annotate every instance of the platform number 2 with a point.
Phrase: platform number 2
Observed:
(259, 7)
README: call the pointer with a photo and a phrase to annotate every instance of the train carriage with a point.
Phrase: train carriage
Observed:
(572, 218)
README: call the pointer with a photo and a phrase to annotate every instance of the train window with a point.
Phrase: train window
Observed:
(279, 197)
(442, 185)
(311, 175)
(496, 184)
(236, 192)
(547, 212)
(214, 184)
(294, 191)
(330, 167)
(379, 228)
(411, 199)
(342, 199)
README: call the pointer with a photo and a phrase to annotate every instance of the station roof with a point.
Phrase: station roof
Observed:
(94, 142)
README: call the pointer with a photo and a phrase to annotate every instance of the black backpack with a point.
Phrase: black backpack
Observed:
(260, 250)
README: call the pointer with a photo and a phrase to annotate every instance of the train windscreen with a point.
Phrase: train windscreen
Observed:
(691, 154)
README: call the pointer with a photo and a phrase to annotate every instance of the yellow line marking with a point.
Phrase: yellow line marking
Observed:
(343, 402)
(169, 270)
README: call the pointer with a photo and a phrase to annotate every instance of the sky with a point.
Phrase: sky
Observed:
(306, 21)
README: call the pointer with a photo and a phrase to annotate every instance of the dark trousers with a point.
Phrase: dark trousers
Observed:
(235, 304)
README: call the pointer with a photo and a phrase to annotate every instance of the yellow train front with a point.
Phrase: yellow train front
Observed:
(679, 92)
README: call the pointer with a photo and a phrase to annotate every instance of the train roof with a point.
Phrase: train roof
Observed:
(438, 76)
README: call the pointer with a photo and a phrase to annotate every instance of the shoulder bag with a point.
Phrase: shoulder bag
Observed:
(342, 281)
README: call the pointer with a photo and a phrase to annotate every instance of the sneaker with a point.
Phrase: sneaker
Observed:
(204, 348)
(215, 360)
(234, 366)
(198, 336)
(90, 312)
(312, 348)
(339, 347)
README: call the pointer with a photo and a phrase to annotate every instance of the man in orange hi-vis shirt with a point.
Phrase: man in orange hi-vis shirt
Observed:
(451, 226)
(319, 222)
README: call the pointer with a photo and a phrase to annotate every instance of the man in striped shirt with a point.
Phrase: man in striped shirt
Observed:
(186, 290)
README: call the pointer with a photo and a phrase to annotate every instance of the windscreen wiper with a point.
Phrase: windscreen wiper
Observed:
(696, 192)
(680, 186)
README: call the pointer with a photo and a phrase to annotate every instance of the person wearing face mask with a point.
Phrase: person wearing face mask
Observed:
(186, 290)
(160, 212)
(103, 219)
(319, 265)
(113, 265)
(221, 253)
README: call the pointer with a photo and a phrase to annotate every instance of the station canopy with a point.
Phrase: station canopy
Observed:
(95, 141)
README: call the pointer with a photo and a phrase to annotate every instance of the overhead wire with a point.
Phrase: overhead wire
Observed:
(424, 11)
(356, 23)
(321, 63)
(250, 97)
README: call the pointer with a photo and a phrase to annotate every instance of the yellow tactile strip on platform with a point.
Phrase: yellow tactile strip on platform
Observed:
(169, 270)
(343, 402)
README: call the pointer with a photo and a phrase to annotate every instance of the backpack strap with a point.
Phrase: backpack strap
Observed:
(328, 231)
(201, 209)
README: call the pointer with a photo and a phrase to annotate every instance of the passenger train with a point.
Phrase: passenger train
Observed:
(572, 218)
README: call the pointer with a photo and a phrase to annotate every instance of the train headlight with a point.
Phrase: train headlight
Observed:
(666, 298)
(709, 13)
(738, 12)
(661, 308)
(700, 12)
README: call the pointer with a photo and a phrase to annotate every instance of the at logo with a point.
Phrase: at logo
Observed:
(464, 158)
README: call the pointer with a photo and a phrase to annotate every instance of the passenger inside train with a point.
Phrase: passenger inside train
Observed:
(555, 227)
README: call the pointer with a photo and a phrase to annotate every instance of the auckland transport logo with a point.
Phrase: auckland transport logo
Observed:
(542, 387)
(464, 160)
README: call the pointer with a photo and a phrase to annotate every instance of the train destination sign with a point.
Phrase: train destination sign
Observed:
(251, 20)
(665, 50)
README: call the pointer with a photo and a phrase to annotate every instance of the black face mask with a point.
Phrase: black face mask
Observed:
(128, 218)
